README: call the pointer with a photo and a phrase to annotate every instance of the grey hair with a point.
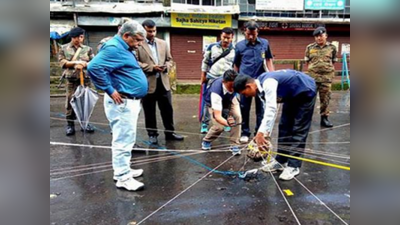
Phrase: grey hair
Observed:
(133, 28)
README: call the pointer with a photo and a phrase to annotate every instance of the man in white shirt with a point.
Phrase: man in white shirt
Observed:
(224, 110)
(297, 92)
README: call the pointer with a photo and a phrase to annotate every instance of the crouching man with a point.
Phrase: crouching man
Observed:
(297, 92)
(225, 110)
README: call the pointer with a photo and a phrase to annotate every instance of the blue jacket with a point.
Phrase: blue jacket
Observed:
(116, 68)
(216, 87)
(250, 58)
(291, 83)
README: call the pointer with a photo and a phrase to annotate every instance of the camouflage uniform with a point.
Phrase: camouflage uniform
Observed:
(320, 67)
(102, 42)
(73, 78)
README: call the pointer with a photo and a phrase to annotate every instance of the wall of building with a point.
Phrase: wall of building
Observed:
(292, 45)
(186, 48)
(187, 51)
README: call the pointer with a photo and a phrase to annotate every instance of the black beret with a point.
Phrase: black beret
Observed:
(319, 30)
(76, 32)
(251, 25)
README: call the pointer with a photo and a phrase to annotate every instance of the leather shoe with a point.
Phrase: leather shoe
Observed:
(174, 137)
(153, 140)
(325, 122)
(70, 130)
(89, 129)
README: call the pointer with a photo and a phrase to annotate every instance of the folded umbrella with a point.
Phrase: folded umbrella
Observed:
(83, 101)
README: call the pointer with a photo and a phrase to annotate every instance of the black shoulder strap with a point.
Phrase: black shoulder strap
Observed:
(225, 53)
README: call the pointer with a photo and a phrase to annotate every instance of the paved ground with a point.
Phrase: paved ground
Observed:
(180, 186)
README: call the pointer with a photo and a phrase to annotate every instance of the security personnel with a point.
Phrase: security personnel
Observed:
(104, 40)
(320, 56)
(72, 63)
(253, 56)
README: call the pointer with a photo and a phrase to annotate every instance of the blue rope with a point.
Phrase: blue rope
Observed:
(226, 173)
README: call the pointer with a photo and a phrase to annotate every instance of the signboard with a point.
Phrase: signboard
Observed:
(207, 40)
(285, 5)
(345, 49)
(201, 21)
(325, 4)
(288, 26)
(114, 21)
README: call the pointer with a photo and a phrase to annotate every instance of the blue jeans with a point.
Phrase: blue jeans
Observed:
(206, 115)
(123, 121)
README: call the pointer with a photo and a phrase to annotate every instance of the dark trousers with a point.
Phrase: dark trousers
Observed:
(293, 129)
(163, 98)
(245, 106)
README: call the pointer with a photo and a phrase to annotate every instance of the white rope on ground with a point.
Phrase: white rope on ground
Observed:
(326, 129)
(197, 134)
(108, 162)
(284, 197)
(316, 197)
(89, 173)
(323, 203)
(307, 151)
(184, 191)
(134, 149)
(108, 165)
(319, 142)
(315, 156)
(141, 128)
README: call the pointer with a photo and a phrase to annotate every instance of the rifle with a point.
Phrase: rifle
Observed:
(65, 71)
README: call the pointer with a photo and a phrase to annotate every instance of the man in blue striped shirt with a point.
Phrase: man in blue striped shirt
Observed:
(116, 71)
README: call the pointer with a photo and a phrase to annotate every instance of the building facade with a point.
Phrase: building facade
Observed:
(190, 25)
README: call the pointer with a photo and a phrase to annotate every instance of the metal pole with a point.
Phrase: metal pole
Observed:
(75, 20)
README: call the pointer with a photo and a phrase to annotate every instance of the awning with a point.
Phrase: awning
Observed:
(60, 28)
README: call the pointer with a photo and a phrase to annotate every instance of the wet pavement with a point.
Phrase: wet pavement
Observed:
(180, 184)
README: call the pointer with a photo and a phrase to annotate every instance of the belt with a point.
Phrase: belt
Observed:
(123, 95)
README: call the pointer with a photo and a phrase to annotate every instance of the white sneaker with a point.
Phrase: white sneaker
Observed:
(133, 173)
(130, 184)
(272, 166)
(244, 139)
(289, 173)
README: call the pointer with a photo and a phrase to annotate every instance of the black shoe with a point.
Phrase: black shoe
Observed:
(174, 137)
(89, 129)
(70, 130)
(153, 140)
(325, 122)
